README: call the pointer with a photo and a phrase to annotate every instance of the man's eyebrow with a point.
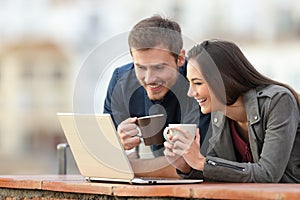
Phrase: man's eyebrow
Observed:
(154, 65)
(137, 64)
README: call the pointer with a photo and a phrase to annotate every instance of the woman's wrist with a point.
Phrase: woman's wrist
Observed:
(185, 168)
(201, 163)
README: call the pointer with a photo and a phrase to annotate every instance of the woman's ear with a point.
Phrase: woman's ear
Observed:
(181, 58)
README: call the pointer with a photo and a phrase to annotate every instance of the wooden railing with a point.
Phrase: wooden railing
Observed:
(75, 187)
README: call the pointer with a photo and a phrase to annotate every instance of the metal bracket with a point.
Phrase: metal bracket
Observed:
(62, 157)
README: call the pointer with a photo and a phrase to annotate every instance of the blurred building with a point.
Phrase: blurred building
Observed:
(35, 81)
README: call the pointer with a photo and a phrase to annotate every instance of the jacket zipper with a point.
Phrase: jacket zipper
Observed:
(214, 163)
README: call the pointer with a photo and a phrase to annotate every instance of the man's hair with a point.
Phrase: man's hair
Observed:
(156, 32)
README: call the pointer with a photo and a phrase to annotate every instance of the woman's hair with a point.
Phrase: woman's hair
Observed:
(236, 73)
(156, 31)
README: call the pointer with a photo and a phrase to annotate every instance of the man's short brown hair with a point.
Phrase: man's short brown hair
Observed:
(154, 32)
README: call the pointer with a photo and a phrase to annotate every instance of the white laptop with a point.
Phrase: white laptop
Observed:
(98, 152)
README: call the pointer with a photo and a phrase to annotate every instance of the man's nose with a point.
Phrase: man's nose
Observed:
(150, 76)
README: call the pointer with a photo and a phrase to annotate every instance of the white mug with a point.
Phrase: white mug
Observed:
(191, 128)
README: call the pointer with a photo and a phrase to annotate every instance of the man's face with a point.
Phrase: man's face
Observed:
(156, 70)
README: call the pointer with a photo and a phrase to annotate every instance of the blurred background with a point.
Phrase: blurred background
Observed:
(45, 42)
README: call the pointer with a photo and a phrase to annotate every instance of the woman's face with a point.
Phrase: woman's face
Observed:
(200, 90)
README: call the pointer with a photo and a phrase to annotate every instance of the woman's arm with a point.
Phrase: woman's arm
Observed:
(279, 116)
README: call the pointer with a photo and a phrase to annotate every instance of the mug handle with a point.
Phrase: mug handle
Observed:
(165, 133)
(140, 134)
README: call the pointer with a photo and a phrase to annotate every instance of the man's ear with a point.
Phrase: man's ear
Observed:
(181, 58)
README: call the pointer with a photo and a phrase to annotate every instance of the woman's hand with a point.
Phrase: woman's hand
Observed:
(177, 161)
(188, 147)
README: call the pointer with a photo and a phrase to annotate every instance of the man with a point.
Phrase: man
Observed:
(154, 83)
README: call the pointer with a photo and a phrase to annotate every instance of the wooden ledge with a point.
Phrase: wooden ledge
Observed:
(77, 184)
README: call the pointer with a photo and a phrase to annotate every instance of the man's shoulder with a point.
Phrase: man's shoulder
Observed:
(126, 67)
(125, 77)
(183, 68)
(120, 71)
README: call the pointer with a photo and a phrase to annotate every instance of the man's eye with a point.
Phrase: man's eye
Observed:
(141, 67)
(159, 67)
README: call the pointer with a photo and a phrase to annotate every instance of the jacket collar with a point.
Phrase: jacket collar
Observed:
(252, 111)
(251, 106)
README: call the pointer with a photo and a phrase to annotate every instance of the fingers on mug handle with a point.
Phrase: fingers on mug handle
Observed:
(139, 134)
(165, 133)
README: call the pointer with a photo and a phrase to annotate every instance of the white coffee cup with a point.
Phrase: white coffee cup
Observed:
(191, 128)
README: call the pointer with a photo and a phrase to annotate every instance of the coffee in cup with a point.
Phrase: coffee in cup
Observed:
(151, 128)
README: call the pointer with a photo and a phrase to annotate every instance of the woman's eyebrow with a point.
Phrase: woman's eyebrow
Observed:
(196, 79)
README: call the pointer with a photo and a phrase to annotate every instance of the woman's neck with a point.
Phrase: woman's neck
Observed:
(237, 111)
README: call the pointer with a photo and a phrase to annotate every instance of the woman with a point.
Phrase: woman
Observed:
(255, 128)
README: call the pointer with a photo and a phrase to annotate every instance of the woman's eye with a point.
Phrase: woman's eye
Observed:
(197, 83)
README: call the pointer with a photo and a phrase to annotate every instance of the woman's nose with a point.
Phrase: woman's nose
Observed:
(191, 92)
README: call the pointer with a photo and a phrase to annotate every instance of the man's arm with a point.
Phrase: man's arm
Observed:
(107, 102)
(116, 104)
(154, 167)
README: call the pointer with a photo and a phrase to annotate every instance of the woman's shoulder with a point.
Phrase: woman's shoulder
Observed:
(272, 90)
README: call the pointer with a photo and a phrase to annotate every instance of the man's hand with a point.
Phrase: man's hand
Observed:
(128, 133)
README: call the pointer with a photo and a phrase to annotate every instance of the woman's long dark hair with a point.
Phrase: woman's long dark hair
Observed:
(237, 74)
